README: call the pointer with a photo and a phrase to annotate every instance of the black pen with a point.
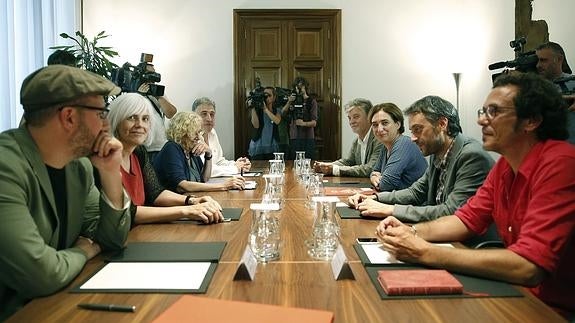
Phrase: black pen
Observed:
(348, 182)
(108, 307)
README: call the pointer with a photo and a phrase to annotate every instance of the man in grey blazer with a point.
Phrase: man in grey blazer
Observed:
(53, 217)
(364, 150)
(458, 166)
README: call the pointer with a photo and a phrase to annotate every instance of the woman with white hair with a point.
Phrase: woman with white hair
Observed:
(129, 119)
(178, 164)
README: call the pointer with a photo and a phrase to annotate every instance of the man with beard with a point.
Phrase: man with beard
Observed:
(53, 218)
(552, 65)
(528, 196)
(457, 167)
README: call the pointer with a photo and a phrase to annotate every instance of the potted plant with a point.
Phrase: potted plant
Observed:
(89, 55)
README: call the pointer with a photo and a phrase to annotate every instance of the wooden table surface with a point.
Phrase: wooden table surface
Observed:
(294, 280)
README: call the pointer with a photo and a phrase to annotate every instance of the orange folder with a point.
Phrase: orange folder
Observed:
(202, 309)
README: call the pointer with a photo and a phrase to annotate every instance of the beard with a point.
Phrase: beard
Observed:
(83, 141)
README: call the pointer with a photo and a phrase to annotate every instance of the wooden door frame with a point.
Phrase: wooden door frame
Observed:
(240, 111)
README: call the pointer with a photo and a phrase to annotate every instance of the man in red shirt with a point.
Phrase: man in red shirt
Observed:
(529, 194)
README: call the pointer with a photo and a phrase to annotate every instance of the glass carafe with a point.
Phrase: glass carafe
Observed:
(273, 191)
(264, 238)
(325, 231)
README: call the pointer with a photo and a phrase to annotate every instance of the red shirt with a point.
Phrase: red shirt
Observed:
(534, 211)
(134, 181)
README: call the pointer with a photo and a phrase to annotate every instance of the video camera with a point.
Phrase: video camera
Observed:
(297, 107)
(257, 96)
(130, 77)
(524, 62)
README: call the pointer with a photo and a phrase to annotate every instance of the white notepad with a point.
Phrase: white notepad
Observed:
(377, 255)
(149, 275)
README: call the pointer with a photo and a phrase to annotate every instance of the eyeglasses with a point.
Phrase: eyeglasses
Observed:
(491, 111)
(103, 111)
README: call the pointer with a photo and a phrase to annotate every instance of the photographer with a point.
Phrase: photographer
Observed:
(265, 118)
(552, 65)
(301, 109)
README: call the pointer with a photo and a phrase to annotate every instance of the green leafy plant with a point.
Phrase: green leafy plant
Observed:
(90, 56)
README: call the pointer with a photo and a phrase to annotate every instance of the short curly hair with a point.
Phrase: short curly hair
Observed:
(538, 97)
(361, 103)
(183, 127)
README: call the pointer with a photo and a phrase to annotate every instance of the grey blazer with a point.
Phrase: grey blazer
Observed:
(353, 166)
(468, 165)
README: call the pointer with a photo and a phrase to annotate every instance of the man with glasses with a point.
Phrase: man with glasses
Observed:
(529, 195)
(457, 167)
(53, 217)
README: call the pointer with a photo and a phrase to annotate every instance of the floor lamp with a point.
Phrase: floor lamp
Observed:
(457, 78)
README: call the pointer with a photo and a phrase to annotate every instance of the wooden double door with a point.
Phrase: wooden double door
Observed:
(275, 46)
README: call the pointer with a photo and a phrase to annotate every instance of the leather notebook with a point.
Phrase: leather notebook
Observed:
(418, 282)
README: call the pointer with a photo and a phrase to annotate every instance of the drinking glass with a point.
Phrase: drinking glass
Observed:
(276, 166)
(305, 171)
(315, 188)
(280, 156)
(299, 157)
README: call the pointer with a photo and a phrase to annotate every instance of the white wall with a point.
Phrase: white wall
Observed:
(394, 51)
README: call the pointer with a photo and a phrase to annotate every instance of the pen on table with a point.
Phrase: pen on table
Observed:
(108, 307)
(348, 182)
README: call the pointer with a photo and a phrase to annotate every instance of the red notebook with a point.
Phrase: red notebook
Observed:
(418, 282)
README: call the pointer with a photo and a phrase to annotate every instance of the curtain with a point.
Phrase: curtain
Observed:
(28, 29)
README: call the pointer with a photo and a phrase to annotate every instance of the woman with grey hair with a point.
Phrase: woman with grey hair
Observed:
(178, 164)
(129, 119)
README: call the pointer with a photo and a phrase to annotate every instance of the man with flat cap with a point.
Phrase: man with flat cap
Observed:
(53, 218)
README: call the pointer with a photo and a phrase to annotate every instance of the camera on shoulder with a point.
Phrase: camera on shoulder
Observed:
(523, 62)
(130, 77)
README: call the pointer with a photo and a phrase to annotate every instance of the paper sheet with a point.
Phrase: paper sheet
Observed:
(149, 275)
(377, 255)
(250, 185)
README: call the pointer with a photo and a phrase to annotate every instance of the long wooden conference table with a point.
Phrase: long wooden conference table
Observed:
(295, 280)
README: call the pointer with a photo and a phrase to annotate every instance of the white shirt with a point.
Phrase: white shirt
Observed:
(220, 165)
(363, 150)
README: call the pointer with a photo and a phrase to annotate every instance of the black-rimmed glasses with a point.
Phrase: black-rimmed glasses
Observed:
(103, 111)
(491, 111)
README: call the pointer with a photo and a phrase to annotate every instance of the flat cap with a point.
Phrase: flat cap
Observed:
(55, 84)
